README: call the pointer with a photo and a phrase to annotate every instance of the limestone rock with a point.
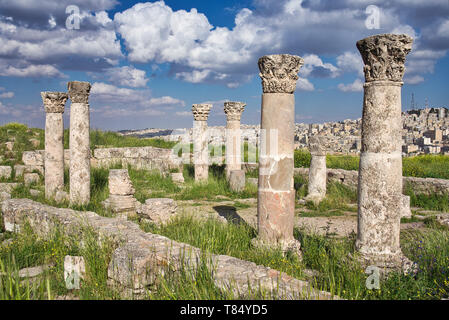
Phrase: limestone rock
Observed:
(33, 158)
(35, 193)
(405, 209)
(35, 143)
(9, 145)
(30, 178)
(61, 196)
(237, 180)
(120, 183)
(5, 172)
(177, 177)
(158, 210)
(8, 187)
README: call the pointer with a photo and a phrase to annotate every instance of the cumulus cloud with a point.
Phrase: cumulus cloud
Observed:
(356, 86)
(127, 76)
(7, 95)
(304, 85)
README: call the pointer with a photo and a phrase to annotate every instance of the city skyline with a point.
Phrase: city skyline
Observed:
(149, 62)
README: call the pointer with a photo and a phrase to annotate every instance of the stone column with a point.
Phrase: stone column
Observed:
(317, 170)
(79, 142)
(200, 140)
(380, 170)
(54, 103)
(276, 194)
(233, 111)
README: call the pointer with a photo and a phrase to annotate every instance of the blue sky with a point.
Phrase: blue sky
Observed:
(149, 62)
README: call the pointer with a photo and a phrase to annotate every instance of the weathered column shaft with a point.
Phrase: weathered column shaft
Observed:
(317, 171)
(79, 142)
(276, 194)
(200, 141)
(54, 103)
(233, 111)
(380, 170)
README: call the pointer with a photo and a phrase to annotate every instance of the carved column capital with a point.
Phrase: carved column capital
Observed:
(384, 56)
(54, 102)
(79, 91)
(201, 111)
(279, 72)
(233, 110)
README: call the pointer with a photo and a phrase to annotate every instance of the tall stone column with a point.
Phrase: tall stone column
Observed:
(79, 142)
(233, 111)
(200, 140)
(317, 171)
(276, 194)
(380, 170)
(54, 103)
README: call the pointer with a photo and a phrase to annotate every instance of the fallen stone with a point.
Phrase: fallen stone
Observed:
(141, 257)
(123, 205)
(33, 271)
(119, 183)
(158, 210)
(33, 158)
(9, 145)
(8, 187)
(177, 177)
(35, 193)
(30, 178)
(61, 196)
(237, 180)
(4, 196)
(443, 219)
(405, 209)
(253, 181)
(35, 143)
(5, 172)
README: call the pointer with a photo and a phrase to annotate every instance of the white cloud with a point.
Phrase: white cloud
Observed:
(127, 76)
(315, 67)
(33, 71)
(350, 62)
(194, 76)
(184, 113)
(356, 86)
(304, 85)
(413, 79)
(7, 95)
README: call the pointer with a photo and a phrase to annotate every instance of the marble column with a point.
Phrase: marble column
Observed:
(276, 194)
(233, 111)
(54, 103)
(200, 141)
(79, 142)
(380, 170)
(317, 171)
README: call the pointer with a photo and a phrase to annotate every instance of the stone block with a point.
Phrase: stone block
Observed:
(120, 183)
(9, 145)
(30, 178)
(74, 270)
(5, 172)
(405, 209)
(61, 196)
(177, 177)
(33, 158)
(237, 180)
(158, 210)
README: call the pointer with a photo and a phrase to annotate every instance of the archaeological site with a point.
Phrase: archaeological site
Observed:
(266, 194)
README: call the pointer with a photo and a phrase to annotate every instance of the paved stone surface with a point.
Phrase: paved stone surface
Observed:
(140, 257)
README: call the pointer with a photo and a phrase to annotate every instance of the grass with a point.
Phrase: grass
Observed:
(422, 166)
(434, 202)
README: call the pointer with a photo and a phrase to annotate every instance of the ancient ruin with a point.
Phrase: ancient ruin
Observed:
(79, 142)
(200, 141)
(233, 111)
(121, 199)
(317, 172)
(54, 103)
(276, 194)
(380, 170)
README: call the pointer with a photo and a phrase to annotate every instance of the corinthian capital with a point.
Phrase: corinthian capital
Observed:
(201, 111)
(233, 110)
(54, 102)
(279, 72)
(79, 91)
(384, 56)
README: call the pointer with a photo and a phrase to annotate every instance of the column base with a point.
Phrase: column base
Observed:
(285, 246)
(315, 198)
(201, 172)
(388, 262)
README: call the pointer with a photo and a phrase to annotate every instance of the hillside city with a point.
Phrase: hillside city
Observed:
(425, 131)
